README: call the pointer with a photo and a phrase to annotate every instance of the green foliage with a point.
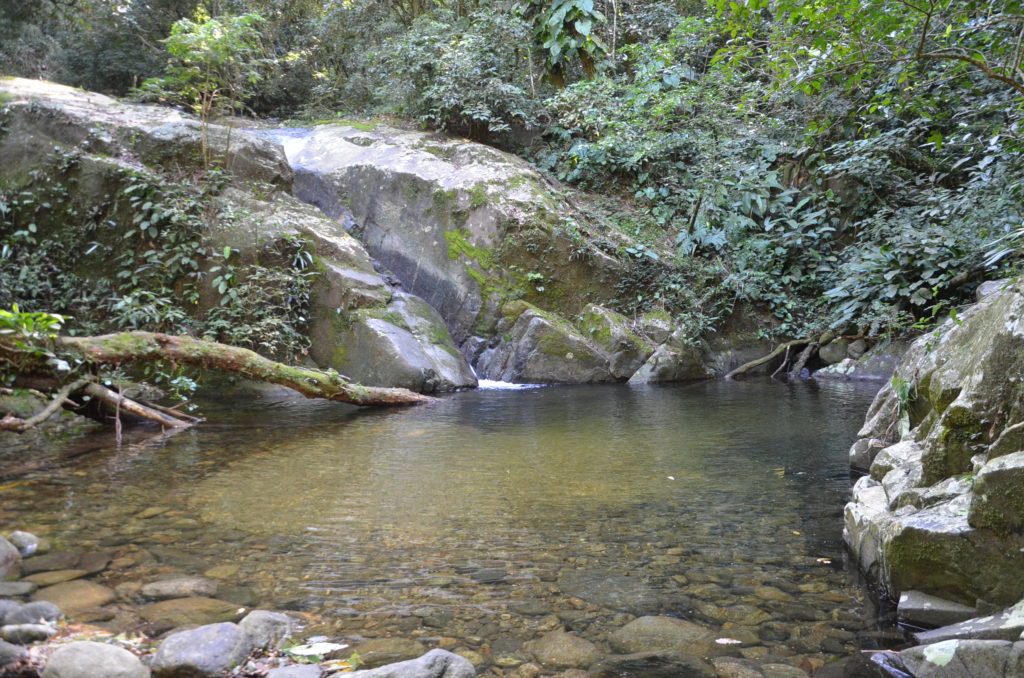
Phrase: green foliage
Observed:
(566, 31)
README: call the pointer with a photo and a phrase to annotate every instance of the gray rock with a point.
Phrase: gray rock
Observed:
(26, 542)
(732, 667)
(561, 650)
(91, 660)
(47, 562)
(10, 653)
(903, 453)
(204, 652)
(179, 587)
(657, 634)
(7, 607)
(17, 589)
(772, 670)
(530, 608)
(10, 560)
(922, 609)
(857, 348)
(656, 326)
(877, 364)
(672, 362)
(611, 332)
(959, 658)
(864, 451)
(834, 351)
(267, 629)
(998, 499)
(380, 651)
(990, 287)
(1010, 440)
(33, 613)
(541, 347)
(653, 665)
(296, 671)
(1006, 625)
(23, 634)
(433, 664)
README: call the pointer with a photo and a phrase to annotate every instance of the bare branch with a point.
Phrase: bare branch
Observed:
(19, 425)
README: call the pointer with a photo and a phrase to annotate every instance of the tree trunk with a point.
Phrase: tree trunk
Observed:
(114, 349)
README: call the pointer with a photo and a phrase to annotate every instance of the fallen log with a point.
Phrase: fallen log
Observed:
(123, 347)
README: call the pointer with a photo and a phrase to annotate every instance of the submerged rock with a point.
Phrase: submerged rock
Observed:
(75, 596)
(656, 634)
(179, 587)
(653, 665)
(184, 611)
(380, 651)
(614, 591)
(561, 650)
(10, 560)
(433, 664)
(925, 610)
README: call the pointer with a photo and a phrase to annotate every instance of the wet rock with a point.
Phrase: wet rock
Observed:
(733, 667)
(614, 591)
(34, 613)
(7, 607)
(71, 596)
(26, 542)
(433, 664)
(221, 572)
(611, 331)
(296, 671)
(10, 560)
(655, 634)
(672, 362)
(16, 589)
(57, 560)
(23, 634)
(54, 577)
(93, 562)
(489, 575)
(998, 499)
(1006, 625)
(653, 665)
(267, 629)
(922, 609)
(204, 652)
(179, 587)
(530, 608)
(11, 653)
(656, 326)
(834, 351)
(782, 671)
(380, 651)
(184, 611)
(561, 650)
(85, 659)
(864, 451)
(958, 658)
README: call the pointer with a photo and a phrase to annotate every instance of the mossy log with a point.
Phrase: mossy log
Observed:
(123, 347)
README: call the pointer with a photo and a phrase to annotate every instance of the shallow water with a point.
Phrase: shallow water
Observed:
(435, 521)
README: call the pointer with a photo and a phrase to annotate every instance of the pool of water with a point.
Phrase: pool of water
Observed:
(495, 515)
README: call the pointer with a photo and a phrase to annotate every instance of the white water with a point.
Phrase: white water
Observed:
(491, 385)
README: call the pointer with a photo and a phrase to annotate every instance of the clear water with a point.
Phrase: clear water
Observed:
(434, 521)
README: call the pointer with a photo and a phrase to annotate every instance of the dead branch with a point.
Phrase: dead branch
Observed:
(746, 367)
(19, 425)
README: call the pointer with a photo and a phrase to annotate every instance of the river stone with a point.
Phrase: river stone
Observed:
(903, 453)
(998, 499)
(433, 664)
(672, 362)
(733, 667)
(185, 611)
(8, 607)
(79, 594)
(296, 671)
(782, 671)
(32, 613)
(380, 651)
(23, 634)
(93, 562)
(204, 652)
(17, 589)
(653, 665)
(530, 607)
(86, 659)
(561, 650)
(11, 653)
(54, 577)
(179, 587)
(614, 591)
(922, 609)
(1007, 625)
(267, 629)
(834, 351)
(959, 658)
(10, 560)
(26, 542)
(864, 451)
(56, 560)
(656, 634)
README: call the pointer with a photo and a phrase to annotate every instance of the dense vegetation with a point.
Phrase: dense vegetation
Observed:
(853, 166)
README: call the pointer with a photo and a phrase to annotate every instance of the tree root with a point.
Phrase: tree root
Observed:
(746, 367)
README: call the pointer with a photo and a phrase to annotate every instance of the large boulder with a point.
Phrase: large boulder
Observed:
(613, 333)
(958, 658)
(461, 225)
(935, 517)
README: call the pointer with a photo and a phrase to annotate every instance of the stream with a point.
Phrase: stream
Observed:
(493, 516)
